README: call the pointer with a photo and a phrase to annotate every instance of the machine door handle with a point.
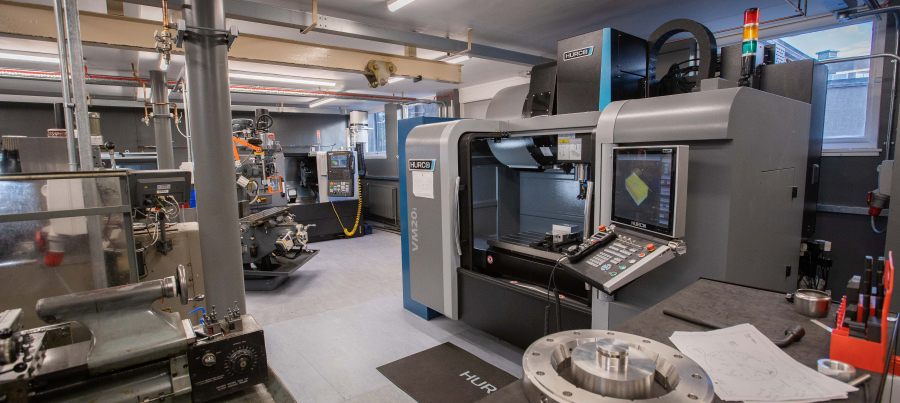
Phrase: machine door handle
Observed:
(458, 245)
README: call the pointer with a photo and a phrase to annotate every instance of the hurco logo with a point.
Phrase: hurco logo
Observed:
(639, 224)
(574, 54)
(423, 165)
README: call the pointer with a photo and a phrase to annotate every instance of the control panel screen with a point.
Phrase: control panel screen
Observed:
(339, 160)
(643, 191)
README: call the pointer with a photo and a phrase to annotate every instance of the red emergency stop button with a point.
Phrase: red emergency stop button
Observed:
(602, 228)
(650, 247)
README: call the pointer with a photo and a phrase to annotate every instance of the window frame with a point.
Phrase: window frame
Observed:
(373, 135)
(867, 145)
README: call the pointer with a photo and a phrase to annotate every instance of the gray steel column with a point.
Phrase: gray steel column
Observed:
(63, 75)
(86, 161)
(162, 122)
(79, 91)
(209, 106)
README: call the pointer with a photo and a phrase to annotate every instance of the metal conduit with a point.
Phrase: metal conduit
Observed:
(235, 89)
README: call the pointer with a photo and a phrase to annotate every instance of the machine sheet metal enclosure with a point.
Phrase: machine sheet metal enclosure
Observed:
(744, 234)
(45, 242)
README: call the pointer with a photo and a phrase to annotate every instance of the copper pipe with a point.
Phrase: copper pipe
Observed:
(165, 11)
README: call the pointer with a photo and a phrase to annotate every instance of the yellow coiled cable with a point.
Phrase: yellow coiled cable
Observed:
(358, 212)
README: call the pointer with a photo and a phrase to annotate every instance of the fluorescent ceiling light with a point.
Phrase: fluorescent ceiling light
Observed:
(396, 4)
(283, 79)
(458, 59)
(396, 79)
(321, 101)
(29, 58)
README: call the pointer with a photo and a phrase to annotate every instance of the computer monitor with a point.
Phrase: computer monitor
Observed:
(650, 189)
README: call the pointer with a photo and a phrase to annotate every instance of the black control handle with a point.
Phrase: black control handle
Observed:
(590, 246)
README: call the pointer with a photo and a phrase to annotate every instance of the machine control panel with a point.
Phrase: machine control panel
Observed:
(621, 258)
(227, 363)
(340, 174)
(148, 186)
(340, 188)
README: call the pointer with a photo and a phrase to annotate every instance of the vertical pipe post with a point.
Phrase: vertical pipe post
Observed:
(162, 122)
(79, 90)
(187, 119)
(75, 53)
(64, 80)
(209, 105)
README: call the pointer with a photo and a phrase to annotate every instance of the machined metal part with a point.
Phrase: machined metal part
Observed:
(125, 328)
(9, 320)
(604, 366)
(9, 350)
(24, 361)
(836, 369)
(812, 303)
(860, 380)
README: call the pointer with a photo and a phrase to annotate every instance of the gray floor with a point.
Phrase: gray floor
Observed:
(341, 316)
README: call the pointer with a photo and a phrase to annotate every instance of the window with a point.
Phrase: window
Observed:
(376, 144)
(846, 104)
(417, 110)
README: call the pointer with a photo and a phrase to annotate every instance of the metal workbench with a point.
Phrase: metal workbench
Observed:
(728, 304)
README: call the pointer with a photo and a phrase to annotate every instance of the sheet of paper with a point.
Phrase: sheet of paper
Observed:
(745, 365)
(423, 184)
(568, 147)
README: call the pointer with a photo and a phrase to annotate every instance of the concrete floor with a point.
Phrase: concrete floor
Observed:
(341, 316)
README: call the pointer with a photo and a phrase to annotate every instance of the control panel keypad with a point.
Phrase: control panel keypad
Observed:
(340, 188)
(618, 256)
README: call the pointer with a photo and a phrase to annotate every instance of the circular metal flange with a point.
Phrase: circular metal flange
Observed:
(588, 366)
(836, 369)
(182, 284)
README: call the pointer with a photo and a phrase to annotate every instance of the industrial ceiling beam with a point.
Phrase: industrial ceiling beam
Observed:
(38, 22)
(301, 20)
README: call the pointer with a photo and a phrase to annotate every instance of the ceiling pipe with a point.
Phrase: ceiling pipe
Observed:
(235, 89)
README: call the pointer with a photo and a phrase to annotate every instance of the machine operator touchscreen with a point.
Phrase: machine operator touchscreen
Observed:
(648, 188)
(339, 160)
(643, 192)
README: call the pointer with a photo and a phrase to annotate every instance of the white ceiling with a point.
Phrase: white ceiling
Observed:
(533, 26)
